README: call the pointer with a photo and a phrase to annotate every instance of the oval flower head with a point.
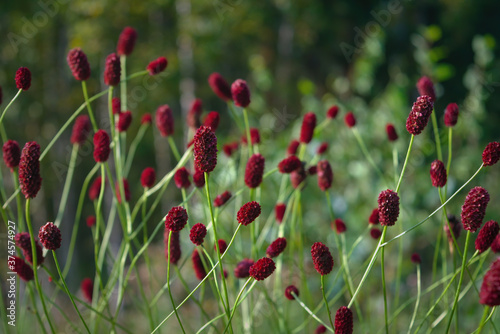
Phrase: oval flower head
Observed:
(248, 213)
(322, 258)
(388, 207)
(29, 170)
(474, 208)
(419, 115)
(176, 219)
(490, 289)
(343, 321)
(262, 269)
(205, 150)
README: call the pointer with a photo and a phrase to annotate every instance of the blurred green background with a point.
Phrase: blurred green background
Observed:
(297, 56)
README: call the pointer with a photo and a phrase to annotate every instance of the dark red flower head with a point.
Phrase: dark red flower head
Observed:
(146, 119)
(212, 120)
(116, 105)
(112, 70)
(205, 149)
(279, 211)
(375, 233)
(276, 247)
(349, 119)
(199, 179)
(50, 236)
(325, 175)
(29, 170)
(148, 177)
(438, 174)
(262, 269)
(174, 253)
(81, 130)
(451, 115)
(340, 226)
(193, 118)
(292, 147)
(313, 170)
(391, 132)
(22, 269)
(322, 259)
(242, 268)
(23, 78)
(197, 234)
(254, 137)
(101, 146)
(95, 188)
(289, 164)
(11, 153)
(486, 236)
(254, 170)
(78, 63)
(474, 208)
(415, 258)
(157, 66)
(298, 176)
(343, 321)
(221, 199)
(419, 115)
(23, 241)
(288, 292)
(165, 120)
(332, 112)
(176, 219)
(220, 86)
(320, 329)
(490, 289)
(248, 213)
(240, 93)
(124, 121)
(87, 287)
(455, 225)
(495, 245)
(230, 148)
(126, 41)
(426, 87)
(491, 153)
(222, 246)
(181, 178)
(90, 221)
(388, 207)
(307, 129)
(126, 191)
(322, 148)
(199, 270)
(373, 219)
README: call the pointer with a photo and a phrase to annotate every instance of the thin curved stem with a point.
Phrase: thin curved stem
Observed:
(67, 290)
(67, 185)
(405, 163)
(308, 310)
(462, 271)
(168, 283)
(89, 108)
(10, 103)
(384, 288)
(326, 301)
(35, 264)
(419, 283)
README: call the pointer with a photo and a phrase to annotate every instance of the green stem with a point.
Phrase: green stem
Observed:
(483, 319)
(169, 289)
(436, 135)
(133, 148)
(89, 108)
(123, 82)
(405, 163)
(216, 240)
(173, 147)
(237, 300)
(247, 129)
(366, 153)
(418, 299)
(67, 185)
(382, 268)
(301, 303)
(8, 106)
(326, 301)
(35, 264)
(462, 271)
(67, 290)
(20, 218)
